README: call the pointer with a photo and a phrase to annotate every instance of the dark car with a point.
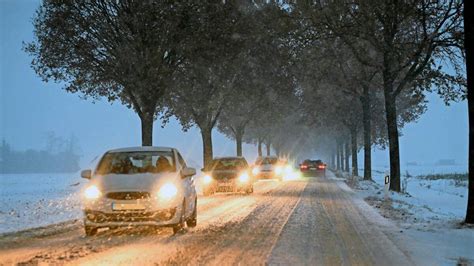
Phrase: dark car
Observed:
(313, 168)
(227, 174)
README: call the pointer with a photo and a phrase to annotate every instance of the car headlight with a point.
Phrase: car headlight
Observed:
(255, 170)
(92, 192)
(278, 170)
(288, 169)
(167, 191)
(244, 178)
(207, 179)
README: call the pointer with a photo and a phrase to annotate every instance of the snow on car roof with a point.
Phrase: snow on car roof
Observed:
(141, 148)
(228, 157)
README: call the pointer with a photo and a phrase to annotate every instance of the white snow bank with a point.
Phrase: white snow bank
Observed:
(430, 213)
(32, 200)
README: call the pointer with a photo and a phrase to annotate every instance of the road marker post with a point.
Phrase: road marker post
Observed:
(386, 187)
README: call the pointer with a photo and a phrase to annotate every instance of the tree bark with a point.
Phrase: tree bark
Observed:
(469, 43)
(393, 142)
(333, 161)
(346, 156)
(206, 134)
(268, 145)
(338, 156)
(147, 128)
(355, 170)
(259, 147)
(238, 141)
(367, 121)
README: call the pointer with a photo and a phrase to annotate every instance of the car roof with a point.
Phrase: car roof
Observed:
(228, 157)
(141, 149)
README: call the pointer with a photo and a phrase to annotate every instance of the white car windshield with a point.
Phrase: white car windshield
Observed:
(136, 162)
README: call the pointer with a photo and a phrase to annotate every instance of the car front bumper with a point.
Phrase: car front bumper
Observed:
(101, 213)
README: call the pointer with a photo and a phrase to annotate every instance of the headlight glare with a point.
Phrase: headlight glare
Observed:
(92, 192)
(255, 170)
(207, 179)
(278, 170)
(288, 169)
(244, 177)
(167, 191)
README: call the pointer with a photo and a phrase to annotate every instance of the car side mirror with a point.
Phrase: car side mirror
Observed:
(87, 174)
(188, 171)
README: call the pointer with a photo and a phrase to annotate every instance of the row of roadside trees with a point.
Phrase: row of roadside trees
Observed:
(335, 76)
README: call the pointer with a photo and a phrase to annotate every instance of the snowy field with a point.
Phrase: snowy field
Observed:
(32, 200)
(430, 212)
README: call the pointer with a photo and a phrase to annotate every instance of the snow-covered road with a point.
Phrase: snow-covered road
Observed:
(305, 222)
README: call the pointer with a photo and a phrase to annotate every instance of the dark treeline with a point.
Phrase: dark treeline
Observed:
(294, 77)
(60, 156)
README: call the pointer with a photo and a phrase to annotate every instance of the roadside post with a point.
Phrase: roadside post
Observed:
(386, 187)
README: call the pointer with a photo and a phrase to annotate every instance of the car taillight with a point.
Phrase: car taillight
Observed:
(321, 166)
(304, 167)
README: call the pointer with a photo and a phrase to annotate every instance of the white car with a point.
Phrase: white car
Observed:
(140, 186)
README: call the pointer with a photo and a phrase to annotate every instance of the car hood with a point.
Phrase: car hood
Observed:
(226, 173)
(135, 182)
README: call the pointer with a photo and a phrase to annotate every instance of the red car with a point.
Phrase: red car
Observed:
(313, 168)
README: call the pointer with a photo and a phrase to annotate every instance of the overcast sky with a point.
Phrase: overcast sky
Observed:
(29, 108)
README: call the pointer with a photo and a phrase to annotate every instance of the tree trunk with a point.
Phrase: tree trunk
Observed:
(238, 141)
(367, 121)
(338, 156)
(394, 148)
(469, 43)
(259, 147)
(268, 145)
(206, 134)
(333, 161)
(147, 128)
(346, 157)
(341, 155)
(355, 170)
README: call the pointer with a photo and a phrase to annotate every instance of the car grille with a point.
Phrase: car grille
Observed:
(101, 217)
(220, 176)
(130, 195)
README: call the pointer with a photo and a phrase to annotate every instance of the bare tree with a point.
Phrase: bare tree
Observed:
(409, 41)
(122, 51)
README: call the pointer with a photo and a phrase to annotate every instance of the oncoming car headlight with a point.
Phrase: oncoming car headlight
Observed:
(207, 179)
(288, 169)
(278, 170)
(244, 177)
(167, 191)
(255, 170)
(92, 192)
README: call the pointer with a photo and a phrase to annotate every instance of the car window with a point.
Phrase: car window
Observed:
(136, 162)
(266, 160)
(181, 161)
(227, 164)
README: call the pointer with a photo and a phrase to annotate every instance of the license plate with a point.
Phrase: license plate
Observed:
(225, 184)
(312, 168)
(127, 206)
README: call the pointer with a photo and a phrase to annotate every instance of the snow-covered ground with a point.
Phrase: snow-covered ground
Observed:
(32, 200)
(430, 212)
